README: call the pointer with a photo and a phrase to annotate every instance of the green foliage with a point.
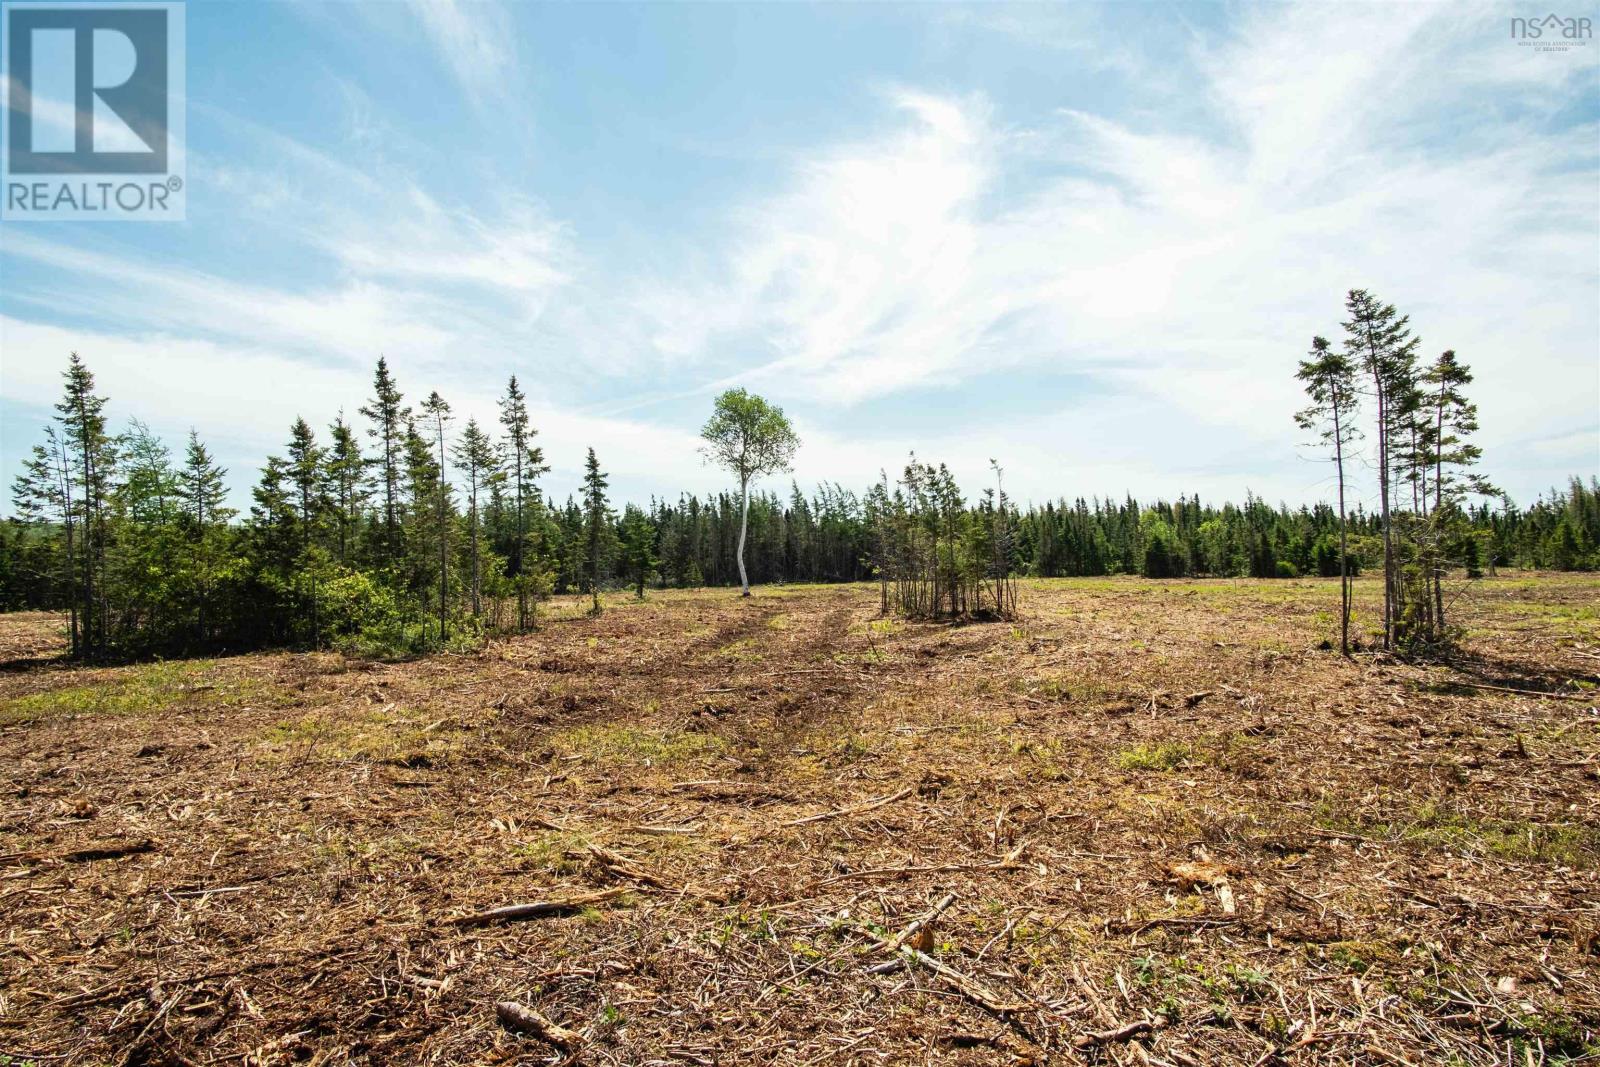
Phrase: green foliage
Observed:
(140, 550)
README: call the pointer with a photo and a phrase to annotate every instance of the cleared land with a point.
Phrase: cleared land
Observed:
(1176, 832)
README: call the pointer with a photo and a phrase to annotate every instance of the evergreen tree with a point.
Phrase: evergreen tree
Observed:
(93, 465)
(638, 547)
(477, 459)
(305, 471)
(200, 487)
(524, 464)
(597, 522)
(437, 414)
(1329, 379)
(346, 490)
(1380, 340)
(43, 496)
(388, 417)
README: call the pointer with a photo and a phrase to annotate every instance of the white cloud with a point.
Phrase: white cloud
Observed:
(1189, 267)
(475, 40)
(1181, 271)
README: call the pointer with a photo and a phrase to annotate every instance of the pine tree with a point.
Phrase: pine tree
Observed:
(43, 496)
(201, 489)
(388, 417)
(346, 487)
(638, 547)
(1380, 339)
(93, 461)
(437, 414)
(476, 457)
(202, 495)
(1329, 379)
(525, 462)
(597, 520)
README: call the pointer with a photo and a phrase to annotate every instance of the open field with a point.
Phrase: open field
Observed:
(1175, 829)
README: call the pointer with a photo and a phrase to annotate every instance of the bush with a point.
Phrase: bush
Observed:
(1286, 569)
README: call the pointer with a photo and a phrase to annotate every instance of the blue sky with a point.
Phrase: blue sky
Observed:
(1089, 242)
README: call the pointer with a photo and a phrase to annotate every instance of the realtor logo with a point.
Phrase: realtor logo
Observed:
(93, 111)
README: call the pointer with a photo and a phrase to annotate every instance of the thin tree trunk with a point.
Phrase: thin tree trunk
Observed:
(472, 530)
(1344, 552)
(522, 581)
(1383, 497)
(444, 537)
(744, 519)
(1438, 504)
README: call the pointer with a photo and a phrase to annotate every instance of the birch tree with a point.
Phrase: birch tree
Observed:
(748, 437)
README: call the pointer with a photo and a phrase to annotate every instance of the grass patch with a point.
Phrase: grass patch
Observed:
(1433, 825)
(375, 736)
(636, 744)
(140, 690)
(1168, 756)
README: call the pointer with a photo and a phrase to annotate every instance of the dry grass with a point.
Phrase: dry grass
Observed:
(1154, 803)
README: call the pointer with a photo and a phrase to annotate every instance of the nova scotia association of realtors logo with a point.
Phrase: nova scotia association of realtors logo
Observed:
(1552, 33)
(92, 111)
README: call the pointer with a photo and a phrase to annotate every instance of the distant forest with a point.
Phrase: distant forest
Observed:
(413, 532)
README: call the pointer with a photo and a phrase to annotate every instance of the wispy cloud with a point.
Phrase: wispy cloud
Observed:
(1170, 272)
(474, 40)
(1190, 266)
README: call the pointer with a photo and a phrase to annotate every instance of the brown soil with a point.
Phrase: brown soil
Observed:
(1176, 831)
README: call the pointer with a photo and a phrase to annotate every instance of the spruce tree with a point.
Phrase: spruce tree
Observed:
(476, 457)
(638, 547)
(437, 414)
(43, 496)
(1379, 339)
(1450, 420)
(388, 417)
(93, 462)
(524, 462)
(201, 488)
(346, 487)
(202, 495)
(1329, 379)
(596, 519)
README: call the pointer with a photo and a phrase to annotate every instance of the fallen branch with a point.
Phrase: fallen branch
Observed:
(972, 988)
(856, 810)
(1093, 1038)
(524, 1020)
(538, 909)
(619, 866)
(1010, 863)
(907, 954)
(1519, 692)
(109, 851)
(921, 921)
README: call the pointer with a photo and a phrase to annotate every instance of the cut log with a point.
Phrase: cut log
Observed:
(538, 909)
(521, 1019)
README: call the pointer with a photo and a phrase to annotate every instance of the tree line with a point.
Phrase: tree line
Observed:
(413, 530)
